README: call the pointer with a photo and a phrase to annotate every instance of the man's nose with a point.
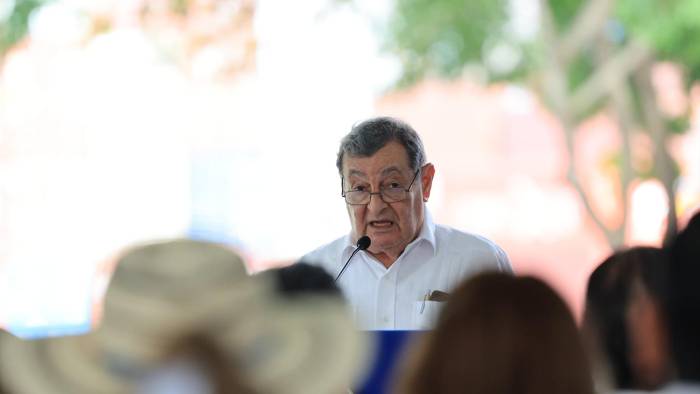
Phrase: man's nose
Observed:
(376, 202)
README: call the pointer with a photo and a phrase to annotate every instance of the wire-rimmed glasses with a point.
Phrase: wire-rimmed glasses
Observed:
(387, 194)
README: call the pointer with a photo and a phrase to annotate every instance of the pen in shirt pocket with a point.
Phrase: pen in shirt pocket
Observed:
(434, 295)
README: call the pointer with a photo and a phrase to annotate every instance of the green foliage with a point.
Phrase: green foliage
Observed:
(670, 26)
(442, 36)
(14, 28)
(179, 6)
(580, 70)
(637, 100)
(678, 125)
(564, 12)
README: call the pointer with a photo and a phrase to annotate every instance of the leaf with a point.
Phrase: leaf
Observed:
(15, 27)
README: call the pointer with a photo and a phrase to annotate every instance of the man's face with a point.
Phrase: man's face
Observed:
(390, 226)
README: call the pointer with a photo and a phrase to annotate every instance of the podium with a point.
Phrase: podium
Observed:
(389, 354)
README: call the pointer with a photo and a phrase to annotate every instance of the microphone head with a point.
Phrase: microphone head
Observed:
(364, 242)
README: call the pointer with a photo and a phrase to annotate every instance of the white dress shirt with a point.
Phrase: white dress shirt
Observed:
(395, 298)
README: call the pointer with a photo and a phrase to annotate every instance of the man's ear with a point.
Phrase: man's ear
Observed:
(426, 180)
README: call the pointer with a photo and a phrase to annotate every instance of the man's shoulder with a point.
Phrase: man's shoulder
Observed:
(455, 239)
(328, 254)
(473, 246)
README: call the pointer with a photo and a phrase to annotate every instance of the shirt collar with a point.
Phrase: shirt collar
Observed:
(427, 234)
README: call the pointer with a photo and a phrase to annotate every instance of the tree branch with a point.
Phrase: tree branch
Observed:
(588, 23)
(622, 107)
(622, 64)
(662, 159)
(556, 93)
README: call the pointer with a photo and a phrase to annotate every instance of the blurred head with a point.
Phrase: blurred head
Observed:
(158, 293)
(684, 301)
(184, 312)
(302, 278)
(502, 334)
(624, 319)
(385, 155)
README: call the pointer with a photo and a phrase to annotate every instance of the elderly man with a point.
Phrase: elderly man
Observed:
(411, 264)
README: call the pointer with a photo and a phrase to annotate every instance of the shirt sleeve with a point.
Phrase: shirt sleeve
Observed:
(503, 261)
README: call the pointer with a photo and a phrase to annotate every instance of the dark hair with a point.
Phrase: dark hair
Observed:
(304, 278)
(371, 135)
(502, 334)
(608, 297)
(684, 301)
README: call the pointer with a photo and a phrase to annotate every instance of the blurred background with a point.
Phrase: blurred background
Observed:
(562, 130)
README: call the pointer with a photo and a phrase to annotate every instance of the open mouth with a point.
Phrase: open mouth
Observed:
(381, 223)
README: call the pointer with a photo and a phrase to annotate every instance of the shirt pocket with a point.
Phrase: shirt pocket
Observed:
(425, 314)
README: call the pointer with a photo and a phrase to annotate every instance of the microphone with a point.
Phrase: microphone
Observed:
(362, 244)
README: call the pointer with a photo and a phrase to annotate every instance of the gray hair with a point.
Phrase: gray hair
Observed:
(371, 135)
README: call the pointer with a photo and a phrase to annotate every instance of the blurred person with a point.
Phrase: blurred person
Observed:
(500, 334)
(624, 319)
(684, 308)
(411, 263)
(193, 364)
(184, 317)
(303, 278)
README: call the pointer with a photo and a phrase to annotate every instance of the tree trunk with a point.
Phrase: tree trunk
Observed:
(558, 97)
(663, 162)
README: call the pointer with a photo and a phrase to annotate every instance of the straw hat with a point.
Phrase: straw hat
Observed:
(161, 292)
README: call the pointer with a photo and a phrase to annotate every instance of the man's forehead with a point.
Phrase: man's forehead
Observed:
(390, 158)
(386, 171)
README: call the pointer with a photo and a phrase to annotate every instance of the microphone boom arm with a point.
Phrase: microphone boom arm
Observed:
(362, 244)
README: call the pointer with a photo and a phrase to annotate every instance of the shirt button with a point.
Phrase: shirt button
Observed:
(385, 319)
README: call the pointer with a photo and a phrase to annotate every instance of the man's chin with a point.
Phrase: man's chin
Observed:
(385, 238)
(381, 240)
(381, 245)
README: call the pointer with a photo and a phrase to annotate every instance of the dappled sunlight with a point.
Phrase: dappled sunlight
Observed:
(649, 206)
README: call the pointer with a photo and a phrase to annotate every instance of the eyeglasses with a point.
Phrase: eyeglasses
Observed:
(387, 194)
